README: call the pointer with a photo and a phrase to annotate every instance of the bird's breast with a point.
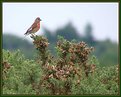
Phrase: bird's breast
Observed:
(38, 25)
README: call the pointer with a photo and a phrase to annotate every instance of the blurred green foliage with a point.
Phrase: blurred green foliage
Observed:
(106, 50)
(12, 43)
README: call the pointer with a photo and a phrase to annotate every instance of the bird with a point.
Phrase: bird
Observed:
(34, 27)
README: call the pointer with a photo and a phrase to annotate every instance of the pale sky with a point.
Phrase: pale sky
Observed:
(18, 17)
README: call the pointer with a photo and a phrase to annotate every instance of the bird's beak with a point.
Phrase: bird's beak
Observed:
(40, 20)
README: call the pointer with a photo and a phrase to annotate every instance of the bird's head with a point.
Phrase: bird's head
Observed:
(38, 19)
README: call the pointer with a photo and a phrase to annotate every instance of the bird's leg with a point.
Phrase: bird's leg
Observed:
(32, 34)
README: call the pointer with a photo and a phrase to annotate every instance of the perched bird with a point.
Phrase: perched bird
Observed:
(34, 27)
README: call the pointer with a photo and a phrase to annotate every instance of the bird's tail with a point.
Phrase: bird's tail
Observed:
(26, 33)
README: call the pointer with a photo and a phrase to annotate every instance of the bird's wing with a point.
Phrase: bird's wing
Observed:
(34, 25)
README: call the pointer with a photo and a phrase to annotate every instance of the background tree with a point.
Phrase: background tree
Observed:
(89, 34)
(105, 49)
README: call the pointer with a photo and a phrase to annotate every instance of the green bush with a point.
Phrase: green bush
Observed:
(22, 74)
(73, 71)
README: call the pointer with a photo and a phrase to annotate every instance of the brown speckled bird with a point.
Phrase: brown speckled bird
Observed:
(34, 27)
